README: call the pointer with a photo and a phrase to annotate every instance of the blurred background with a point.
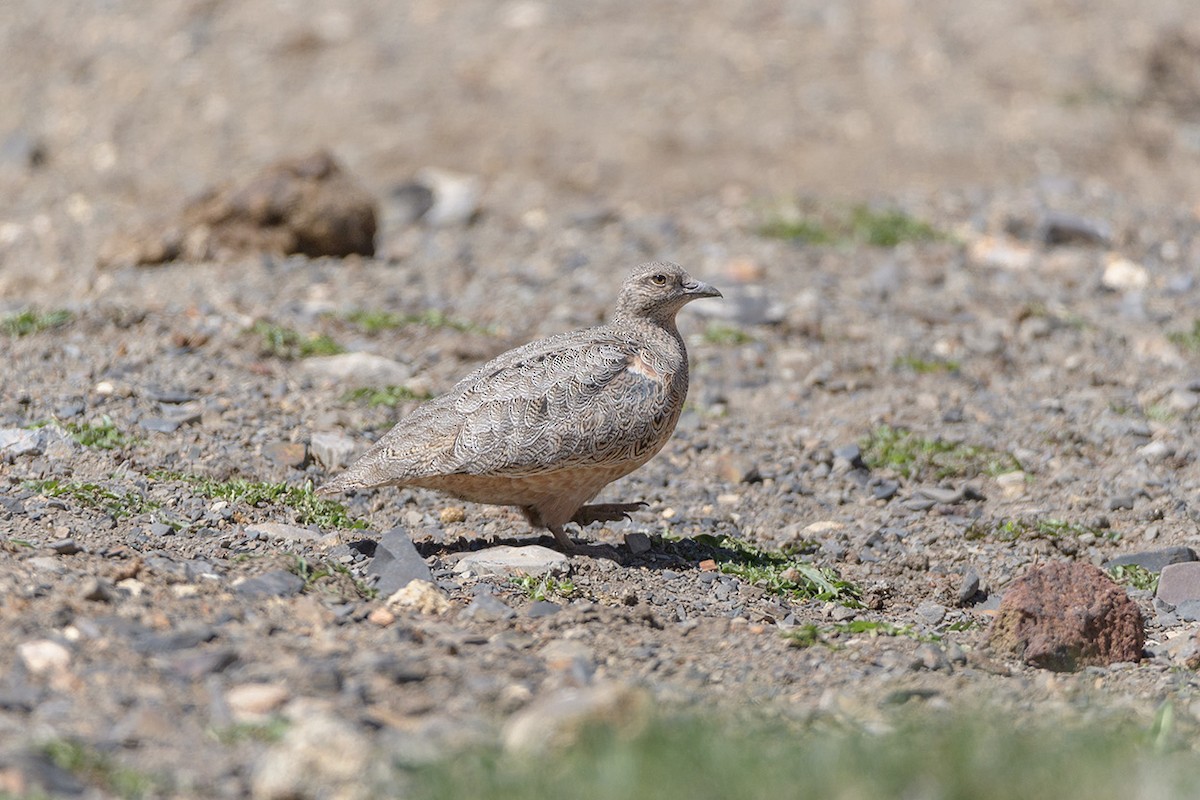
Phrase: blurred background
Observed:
(111, 112)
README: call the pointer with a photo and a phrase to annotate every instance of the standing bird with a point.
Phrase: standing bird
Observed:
(546, 426)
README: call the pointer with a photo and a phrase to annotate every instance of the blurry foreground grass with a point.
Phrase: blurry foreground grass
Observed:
(942, 756)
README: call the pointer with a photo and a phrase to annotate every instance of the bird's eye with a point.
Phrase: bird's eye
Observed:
(659, 279)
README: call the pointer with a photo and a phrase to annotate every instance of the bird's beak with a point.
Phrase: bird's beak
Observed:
(697, 288)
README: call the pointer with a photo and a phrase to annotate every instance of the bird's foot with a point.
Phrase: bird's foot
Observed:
(605, 512)
(564, 542)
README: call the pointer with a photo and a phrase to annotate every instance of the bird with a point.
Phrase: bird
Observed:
(546, 426)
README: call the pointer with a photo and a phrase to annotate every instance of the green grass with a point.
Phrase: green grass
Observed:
(1187, 340)
(373, 321)
(101, 434)
(31, 320)
(336, 578)
(270, 732)
(827, 635)
(925, 366)
(779, 573)
(914, 456)
(726, 335)
(1011, 530)
(309, 509)
(543, 587)
(859, 224)
(279, 341)
(118, 504)
(1134, 576)
(390, 396)
(100, 771)
(911, 753)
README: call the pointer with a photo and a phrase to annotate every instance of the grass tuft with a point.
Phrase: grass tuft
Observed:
(99, 770)
(310, 509)
(917, 457)
(373, 321)
(31, 320)
(543, 587)
(279, 341)
(117, 504)
(102, 434)
(779, 573)
(1011, 530)
(859, 224)
(333, 576)
(925, 366)
(1134, 576)
(913, 753)
(1187, 340)
(827, 635)
(390, 396)
(726, 335)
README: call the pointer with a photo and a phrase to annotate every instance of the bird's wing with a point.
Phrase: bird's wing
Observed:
(575, 400)
(570, 400)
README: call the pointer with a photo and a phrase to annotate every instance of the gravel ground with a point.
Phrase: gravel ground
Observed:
(1044, 337)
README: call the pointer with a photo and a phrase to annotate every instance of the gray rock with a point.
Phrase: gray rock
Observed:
(489, 608)
(1179, 583)
(407, 203)
(1154, 560)
(100, 590)
(185, 638)
(289, 454)
(932, 657)
(508, 560)
(397, 563)
(196, 664)
(334, 450)
(277, 583)
(21, 442)
(66, 547)
(1156, 452)
(637, 543)
(1058, 227)
(355, 370)
(160, 424)
(930, 613)
(1119, 501)
(558, 719)
(542, 608)
(968, 588)
(455, 196)
(320, 755)
(279, 530)
(1188, 610)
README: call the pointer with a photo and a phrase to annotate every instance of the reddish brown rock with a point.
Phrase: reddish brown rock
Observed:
(1064, 615)
(307, 206)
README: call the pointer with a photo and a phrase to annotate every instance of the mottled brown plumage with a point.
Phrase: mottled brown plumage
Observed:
(548, 425)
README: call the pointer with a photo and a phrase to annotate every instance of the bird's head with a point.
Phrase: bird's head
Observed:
(657, 290)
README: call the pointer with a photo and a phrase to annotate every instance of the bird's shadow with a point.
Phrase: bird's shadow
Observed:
(664, 553)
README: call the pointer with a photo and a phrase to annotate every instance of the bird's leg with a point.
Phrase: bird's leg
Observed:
(564, 541)
(605, 512)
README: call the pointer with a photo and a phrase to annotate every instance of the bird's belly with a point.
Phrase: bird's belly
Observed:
(583, 483)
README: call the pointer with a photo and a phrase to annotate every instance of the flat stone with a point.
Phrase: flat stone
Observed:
(558, 719)
(508, 560)
(422, 596)
(320, 755)
(455, 196)
(160, 424)
(397, 563)
(66, 547)
(1179, 583)
(20, 442)
(355, 370)
(1120, 502)
(333, 450)
(1059, 227)
(43, 655)
(542, 608)
(151, 642)
(488, 607)
(1154, 560)
(289, 454)
(278, 583)
(280, 530)
(254, 702)
(637, 543)
(196, 664)
(931, 613)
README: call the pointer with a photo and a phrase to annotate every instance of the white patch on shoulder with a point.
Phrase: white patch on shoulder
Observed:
(638, 365)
